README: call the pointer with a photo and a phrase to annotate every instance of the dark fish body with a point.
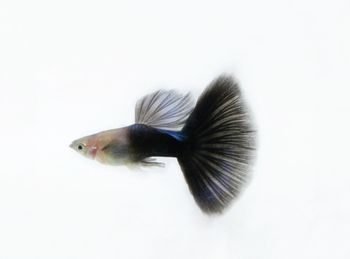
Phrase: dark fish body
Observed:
(213, 141)
(146, 141)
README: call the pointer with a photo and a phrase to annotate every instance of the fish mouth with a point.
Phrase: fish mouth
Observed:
(72, 145)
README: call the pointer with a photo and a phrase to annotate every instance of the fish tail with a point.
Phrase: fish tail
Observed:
(218, 147)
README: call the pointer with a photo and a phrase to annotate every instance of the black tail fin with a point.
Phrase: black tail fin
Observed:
(219, 146)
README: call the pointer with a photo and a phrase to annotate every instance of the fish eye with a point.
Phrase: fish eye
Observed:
(80, 147)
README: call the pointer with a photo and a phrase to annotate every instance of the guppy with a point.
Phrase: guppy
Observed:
(213, 141)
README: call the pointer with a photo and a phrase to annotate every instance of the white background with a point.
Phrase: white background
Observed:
(73, 68)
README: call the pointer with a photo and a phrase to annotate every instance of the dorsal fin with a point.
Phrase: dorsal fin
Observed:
(164, 109)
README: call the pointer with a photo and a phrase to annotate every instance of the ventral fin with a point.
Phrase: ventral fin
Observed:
(151, 162)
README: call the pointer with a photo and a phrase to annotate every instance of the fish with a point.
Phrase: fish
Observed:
(213, 140)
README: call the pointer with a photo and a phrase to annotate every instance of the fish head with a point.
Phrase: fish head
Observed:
(86, 146)
(107, 147)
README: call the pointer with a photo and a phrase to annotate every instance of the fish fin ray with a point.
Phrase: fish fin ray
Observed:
(164, 109)
(151, 162)
(220, 140)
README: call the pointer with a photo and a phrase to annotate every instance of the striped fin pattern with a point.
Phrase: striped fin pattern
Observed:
(221, 144)
(164, 109)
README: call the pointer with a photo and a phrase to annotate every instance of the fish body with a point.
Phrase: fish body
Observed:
(132, 144)
(213, 141)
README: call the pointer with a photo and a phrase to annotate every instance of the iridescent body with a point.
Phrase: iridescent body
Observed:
(213, 140)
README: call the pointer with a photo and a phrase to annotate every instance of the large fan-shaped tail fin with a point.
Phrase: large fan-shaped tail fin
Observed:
(219, 147)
